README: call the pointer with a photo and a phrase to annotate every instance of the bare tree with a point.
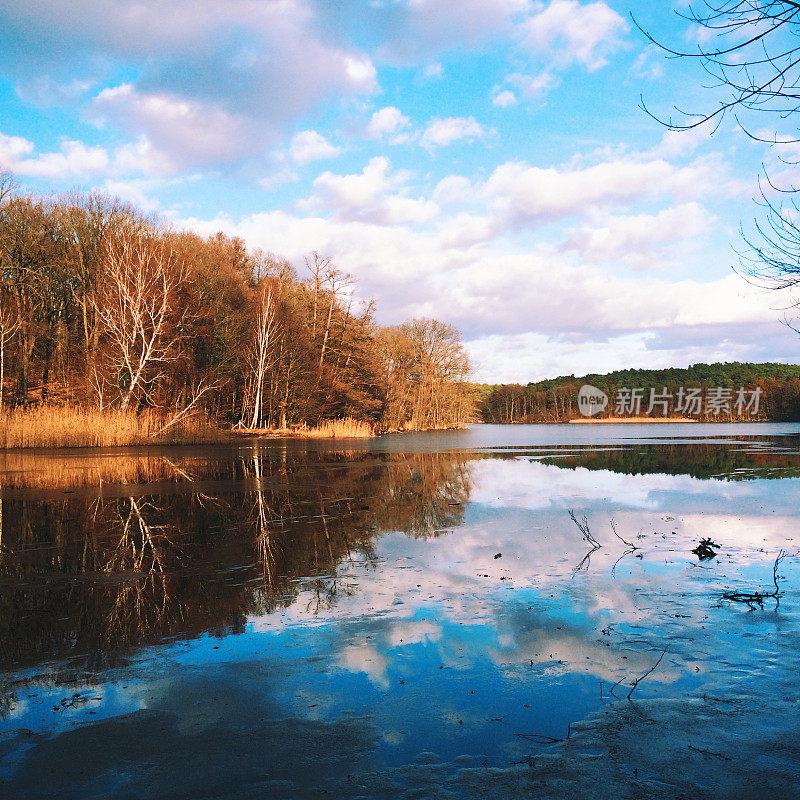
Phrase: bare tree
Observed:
(31, 259)
(261, 349)
(86, 221)
(750, 50)
(319, 267)
(137, 305)
(8, 185)
(335, 282)
(425, 370)
(9, 325)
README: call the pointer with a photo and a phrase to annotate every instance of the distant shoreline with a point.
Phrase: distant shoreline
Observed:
(624, 420)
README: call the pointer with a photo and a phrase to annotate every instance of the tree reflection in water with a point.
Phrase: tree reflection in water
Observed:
(89, 575)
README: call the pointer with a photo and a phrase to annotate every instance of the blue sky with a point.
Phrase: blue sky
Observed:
(483, 161)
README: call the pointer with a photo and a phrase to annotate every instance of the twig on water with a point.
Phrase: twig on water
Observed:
(583, 527)
(630, 545)
(709, 753)
(752, 599)
(541, 739)
(631, 548)
(652, 669)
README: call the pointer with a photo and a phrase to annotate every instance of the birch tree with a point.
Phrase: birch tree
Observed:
(137, 305)
(263, 341)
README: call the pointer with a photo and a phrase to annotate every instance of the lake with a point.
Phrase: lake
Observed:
(506, 611)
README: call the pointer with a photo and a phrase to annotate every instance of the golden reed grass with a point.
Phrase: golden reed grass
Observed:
(347, 428)
(70, 426)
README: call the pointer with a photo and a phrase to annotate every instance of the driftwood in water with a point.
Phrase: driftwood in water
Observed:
(753, 599)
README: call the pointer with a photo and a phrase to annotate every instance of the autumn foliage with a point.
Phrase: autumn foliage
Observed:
(106, 311)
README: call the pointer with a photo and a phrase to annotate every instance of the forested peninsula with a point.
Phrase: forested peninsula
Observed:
(116, 328)
(777, 387)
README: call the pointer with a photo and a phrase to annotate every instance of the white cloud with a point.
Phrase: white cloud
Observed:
(43, 90)
(73, 160)
(453, 189)
(311, 146)
(464, 230)
(678, 143)
(368, 196)
(141, 157)
(632, 238)
(212, 86)
(13, 149)
(389, 122)
(184, 132)
(496, 249)
(533, 86)
(522, 194)
(442, 132)
(573, 32)
(504, 99)
(649, 64)
(278, 178)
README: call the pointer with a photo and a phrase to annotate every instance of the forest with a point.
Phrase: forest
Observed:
(105, 310)
(556, 399)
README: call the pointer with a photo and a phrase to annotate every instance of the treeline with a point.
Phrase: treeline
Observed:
(102, 306)
(556, 399)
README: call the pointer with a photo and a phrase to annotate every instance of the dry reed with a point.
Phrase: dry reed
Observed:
(70, 426)
(347, 428)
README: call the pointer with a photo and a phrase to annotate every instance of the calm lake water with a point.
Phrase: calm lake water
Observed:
(413, 616)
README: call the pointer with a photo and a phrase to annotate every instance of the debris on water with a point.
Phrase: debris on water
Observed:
(705, 549)
(753, 599)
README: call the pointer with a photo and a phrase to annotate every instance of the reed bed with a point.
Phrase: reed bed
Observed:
(347, 428)
(70, 426)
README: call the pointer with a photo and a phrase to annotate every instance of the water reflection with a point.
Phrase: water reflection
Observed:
(283, 621)
(221, 540)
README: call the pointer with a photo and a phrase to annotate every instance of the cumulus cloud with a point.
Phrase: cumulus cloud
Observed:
(141, 157)
(442, 132)
(184, 133)
(217, 81)
(632, 238)
(371, 195)
(572, 32)
(73, 160)
(453, 189)
(390, 123)
(522, 194)
(311, 146)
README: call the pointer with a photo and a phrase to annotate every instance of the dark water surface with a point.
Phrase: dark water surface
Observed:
(412, 616)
